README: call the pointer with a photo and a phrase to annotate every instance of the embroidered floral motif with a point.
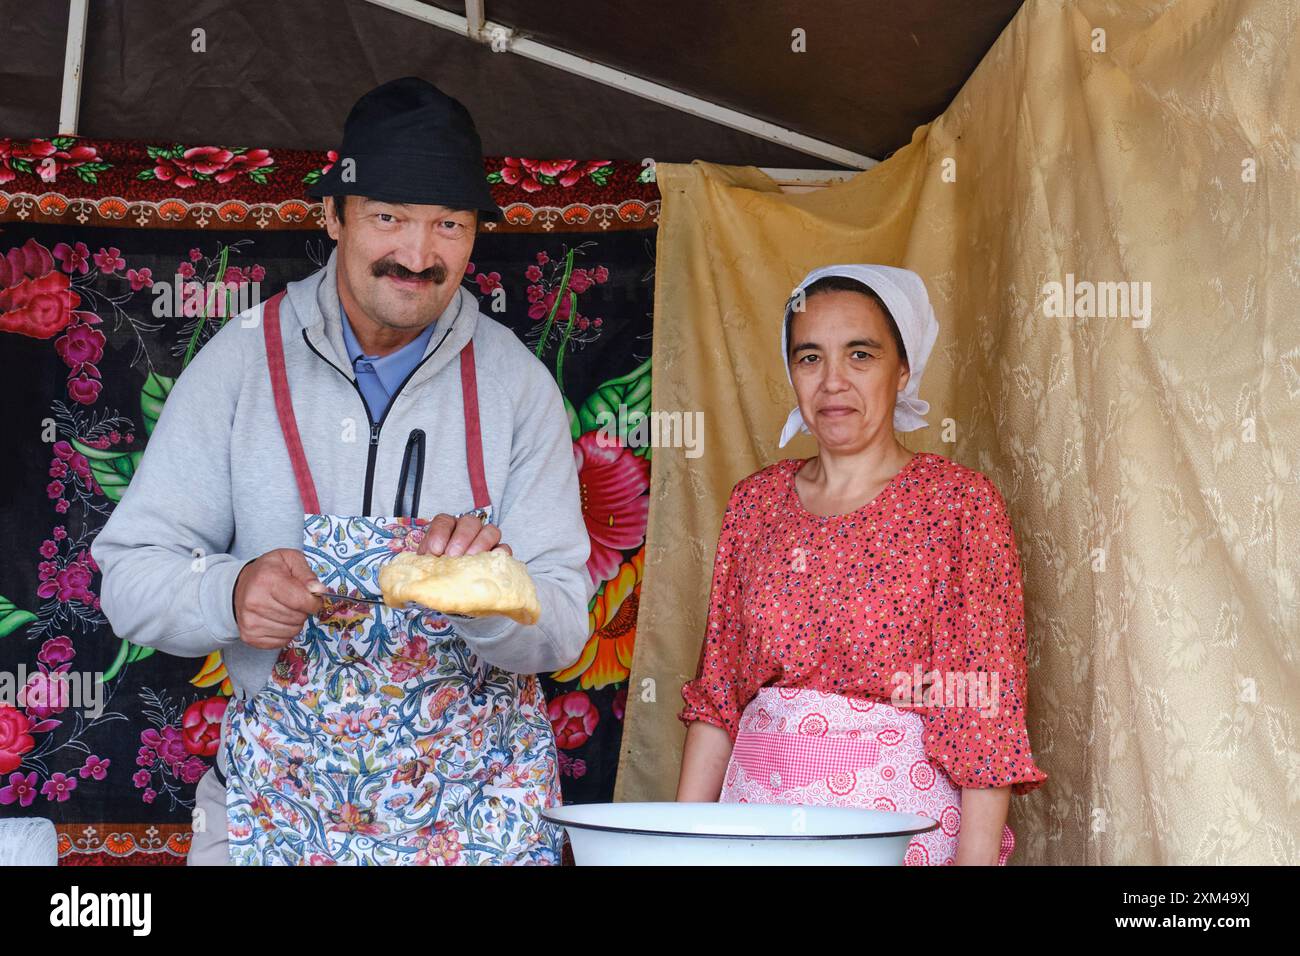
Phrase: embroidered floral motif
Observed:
(385, 740)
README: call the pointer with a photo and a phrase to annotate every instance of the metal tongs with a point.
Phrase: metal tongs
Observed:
(335, 595)
(363, 599)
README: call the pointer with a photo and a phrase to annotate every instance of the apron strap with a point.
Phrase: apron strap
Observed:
(473, 436)
(289, 423)
(284, 404)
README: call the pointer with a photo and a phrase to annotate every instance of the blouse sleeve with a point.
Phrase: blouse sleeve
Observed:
(979, 736)
(716, 695)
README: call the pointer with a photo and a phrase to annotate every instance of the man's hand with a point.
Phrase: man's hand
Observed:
(274, 596)
(468, 534)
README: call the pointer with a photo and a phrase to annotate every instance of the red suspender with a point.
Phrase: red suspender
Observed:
(473, 436)
(289, 423)
(284, 405)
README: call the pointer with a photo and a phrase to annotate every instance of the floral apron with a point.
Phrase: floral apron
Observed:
(805, 747)
(380, 737)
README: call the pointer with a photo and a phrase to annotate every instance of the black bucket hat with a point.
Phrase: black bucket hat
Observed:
(411, 142)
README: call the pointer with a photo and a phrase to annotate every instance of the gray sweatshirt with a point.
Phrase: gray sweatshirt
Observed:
(215, 488)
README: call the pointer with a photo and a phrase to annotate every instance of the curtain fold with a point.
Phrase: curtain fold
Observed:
(1107, 220)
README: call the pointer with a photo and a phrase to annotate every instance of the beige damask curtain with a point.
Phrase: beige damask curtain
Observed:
(1146, 437)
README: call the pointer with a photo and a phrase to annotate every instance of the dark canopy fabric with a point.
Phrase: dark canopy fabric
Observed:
(285, 74)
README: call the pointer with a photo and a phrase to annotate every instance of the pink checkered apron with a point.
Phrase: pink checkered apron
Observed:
(804, 747)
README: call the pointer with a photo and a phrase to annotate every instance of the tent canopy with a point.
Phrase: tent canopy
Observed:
(284, 75)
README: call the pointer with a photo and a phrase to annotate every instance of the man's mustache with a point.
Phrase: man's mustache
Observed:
(437, 273)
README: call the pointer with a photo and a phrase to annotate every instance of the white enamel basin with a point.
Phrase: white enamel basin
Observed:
(735, 834)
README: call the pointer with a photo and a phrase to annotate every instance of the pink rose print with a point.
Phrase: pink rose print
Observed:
(35, 298)
(94, 767)
(535, 174)
(57, 650)
(191, 770)
(47, 158)
(206, 163)
(542, 294)
(15, 739)
(543, 302)
(167, 744)
(72, 258)
(574, 767)
(69, 582)
(79, 346)
(202, 726)
(84, 388)
(59, 787)
(46, 693)
(573, 718)
(109, 260)
(612, 482)
(315, 175)
(20, 790)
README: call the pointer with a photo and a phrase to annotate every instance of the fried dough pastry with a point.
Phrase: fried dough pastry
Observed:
(490, 582)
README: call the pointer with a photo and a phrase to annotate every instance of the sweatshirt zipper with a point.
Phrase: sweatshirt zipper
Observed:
(408, 486)
(372, 453)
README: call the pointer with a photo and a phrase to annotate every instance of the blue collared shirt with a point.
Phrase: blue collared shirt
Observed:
(380, 376)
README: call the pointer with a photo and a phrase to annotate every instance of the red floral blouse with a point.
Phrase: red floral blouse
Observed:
(926, 575)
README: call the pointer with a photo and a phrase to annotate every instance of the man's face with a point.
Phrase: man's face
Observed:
(400, 264)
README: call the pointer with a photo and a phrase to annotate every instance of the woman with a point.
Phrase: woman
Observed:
(865, 642)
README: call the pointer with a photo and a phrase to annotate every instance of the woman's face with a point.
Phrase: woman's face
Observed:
(846, 369)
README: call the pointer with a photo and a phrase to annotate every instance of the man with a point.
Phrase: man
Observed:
(310, 440)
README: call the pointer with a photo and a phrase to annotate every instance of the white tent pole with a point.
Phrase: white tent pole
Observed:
(502, 38)
(474, 19)
(70, 104)
(807, 180)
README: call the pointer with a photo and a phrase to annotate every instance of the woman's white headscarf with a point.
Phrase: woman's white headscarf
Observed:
(903, 291)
